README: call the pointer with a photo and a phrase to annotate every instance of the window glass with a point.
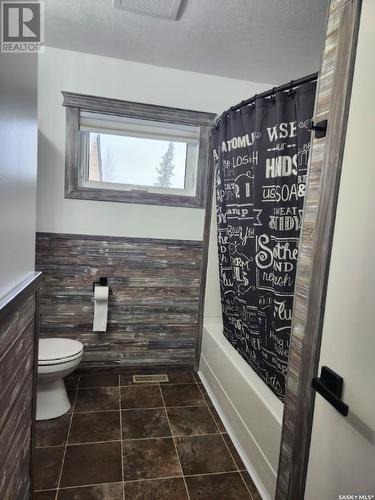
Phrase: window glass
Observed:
(138, 161)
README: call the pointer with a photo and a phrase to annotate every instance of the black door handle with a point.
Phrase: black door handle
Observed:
(329, 385)
(319, 128)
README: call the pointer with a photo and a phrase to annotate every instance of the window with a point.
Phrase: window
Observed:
(131, 152)
(125, 154)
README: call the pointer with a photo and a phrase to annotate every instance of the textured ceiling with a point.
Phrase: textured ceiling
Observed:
(258, 40)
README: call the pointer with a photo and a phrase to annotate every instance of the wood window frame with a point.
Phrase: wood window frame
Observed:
(76, 103)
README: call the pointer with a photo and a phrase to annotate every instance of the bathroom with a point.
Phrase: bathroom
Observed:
(185, 288)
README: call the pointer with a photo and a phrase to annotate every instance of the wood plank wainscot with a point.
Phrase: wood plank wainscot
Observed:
(153, 302)
(18, 377)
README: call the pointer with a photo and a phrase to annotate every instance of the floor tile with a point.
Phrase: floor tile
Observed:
(150, 458)
(105, 398)
(251, 486)
(234, 452)
(92, 463)
(99, 380)
(126, 379)
(148, 454)
(71, 381)
(148, 423)
(191, 420)
(97, 426)
(180, 377)
(182, 395)
(136, 396)
(47, 467)
(217, 487)
(217, 419)
(99, 492)
(72, 396)
(52, 432)
(44, 495)
(160, 489)
(204, 454)
(205, 394)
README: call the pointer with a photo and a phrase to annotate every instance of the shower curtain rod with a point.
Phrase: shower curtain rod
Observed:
(285, 86)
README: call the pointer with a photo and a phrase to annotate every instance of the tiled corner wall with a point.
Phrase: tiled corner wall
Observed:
(153, 304)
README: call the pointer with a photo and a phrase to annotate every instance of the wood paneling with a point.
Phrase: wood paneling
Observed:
(153, 304)
(332, 103)
(16, 367)
(18, 373)
(15, 446)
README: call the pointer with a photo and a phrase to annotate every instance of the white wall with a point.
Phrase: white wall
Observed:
(107, 77)
(18, 162)
(212, 306)
(342, 453)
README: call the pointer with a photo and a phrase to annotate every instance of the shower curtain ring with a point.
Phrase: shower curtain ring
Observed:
(242, 105)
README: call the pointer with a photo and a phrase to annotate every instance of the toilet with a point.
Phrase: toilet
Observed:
(57, 358)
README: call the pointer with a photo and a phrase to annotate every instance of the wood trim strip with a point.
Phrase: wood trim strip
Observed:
(333, 97)
(203, 166)
(134, 370)
(35, 387)
(124, 239)
(141, 197)
(71, 150)
(137, 110)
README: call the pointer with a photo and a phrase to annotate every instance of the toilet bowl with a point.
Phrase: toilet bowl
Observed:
(57, 358)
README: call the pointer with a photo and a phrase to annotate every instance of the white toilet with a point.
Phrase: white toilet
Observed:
(57, 358)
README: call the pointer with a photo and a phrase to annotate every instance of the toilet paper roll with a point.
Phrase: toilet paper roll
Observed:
(100, 308)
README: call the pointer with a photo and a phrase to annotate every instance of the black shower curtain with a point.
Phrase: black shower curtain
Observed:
(261, 155)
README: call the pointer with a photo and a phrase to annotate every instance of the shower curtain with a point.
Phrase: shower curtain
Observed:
(261, 154)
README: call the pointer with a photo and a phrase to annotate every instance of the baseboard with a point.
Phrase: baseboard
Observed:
(86, 368)
(235, 427)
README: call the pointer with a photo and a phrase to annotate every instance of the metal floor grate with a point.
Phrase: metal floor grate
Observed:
(143, 379)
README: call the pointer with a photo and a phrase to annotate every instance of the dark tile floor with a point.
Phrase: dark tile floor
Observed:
(125, 441)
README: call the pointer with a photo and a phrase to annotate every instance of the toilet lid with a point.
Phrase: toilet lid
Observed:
(50, 349)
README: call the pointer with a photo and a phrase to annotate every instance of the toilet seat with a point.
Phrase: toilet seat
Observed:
(55, 351)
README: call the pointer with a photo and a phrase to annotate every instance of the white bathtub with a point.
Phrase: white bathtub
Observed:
(251, 413)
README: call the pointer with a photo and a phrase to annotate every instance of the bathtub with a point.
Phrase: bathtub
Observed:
(251, 413)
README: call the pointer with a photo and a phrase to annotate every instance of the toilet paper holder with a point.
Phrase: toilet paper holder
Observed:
(103, 281)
